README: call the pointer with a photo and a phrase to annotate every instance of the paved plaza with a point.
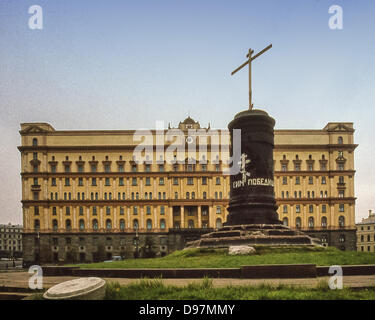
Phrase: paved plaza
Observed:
(20, 279)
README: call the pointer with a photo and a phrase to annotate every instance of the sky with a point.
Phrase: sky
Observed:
(121, 64)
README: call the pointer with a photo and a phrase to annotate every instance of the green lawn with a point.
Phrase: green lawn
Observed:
(218, 258)
(156, 290)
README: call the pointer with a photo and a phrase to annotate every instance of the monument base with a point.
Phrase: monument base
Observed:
(253, 234)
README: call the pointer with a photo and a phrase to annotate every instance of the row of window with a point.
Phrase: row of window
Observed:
(122, 196)
(94, 210)
(323, 180)
(310, 167)
(368, 238)
(368, 228)
(122, 225)
(120, 167)
(14, 230)
(11, 248)
(311, 222)
(9, 242)
(17, 236)
(310, 161)
(368, 248)
(107, 181)
(310, 194)
(311, 208)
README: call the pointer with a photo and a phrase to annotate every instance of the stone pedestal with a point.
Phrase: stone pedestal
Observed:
(253, 235)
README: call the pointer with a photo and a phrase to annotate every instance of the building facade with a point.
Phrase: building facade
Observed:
(10, 241)
(86, 196)
(366, 233)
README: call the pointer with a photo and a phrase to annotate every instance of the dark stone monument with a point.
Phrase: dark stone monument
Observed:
(252, 199)
(252, 218)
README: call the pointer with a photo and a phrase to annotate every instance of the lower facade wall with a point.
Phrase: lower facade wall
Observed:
(334, 238)
(63, 248)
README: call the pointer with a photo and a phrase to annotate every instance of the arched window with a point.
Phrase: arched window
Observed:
(36, 224)
(81, 224)
(285, 221)
(204, 195)
(146, 195)
(187, 195)
(324, 222)
(193, 195)
(341, 221)
(162, 224)
(68, 224)
(218, 223)
(135, 224)
(122, 224)
(149, 224)
(311, 222)
(298, 223)
(105, 195)
(216, 195)
(340, 140)
(35, 142)
(150, 194)
(95, 224)
(191, 224)
(108, 224)
(54, 225)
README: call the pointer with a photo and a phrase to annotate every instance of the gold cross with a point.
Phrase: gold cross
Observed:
(249, 63)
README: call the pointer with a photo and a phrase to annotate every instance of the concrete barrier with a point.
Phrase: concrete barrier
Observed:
(163, 273)
(246, 272)
(279, 271)
(349, 270)
(58, 270)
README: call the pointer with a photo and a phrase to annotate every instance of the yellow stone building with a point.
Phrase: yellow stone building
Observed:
(366, 233)
(84, 190)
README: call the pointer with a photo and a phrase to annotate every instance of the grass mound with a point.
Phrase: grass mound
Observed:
(219, 258)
